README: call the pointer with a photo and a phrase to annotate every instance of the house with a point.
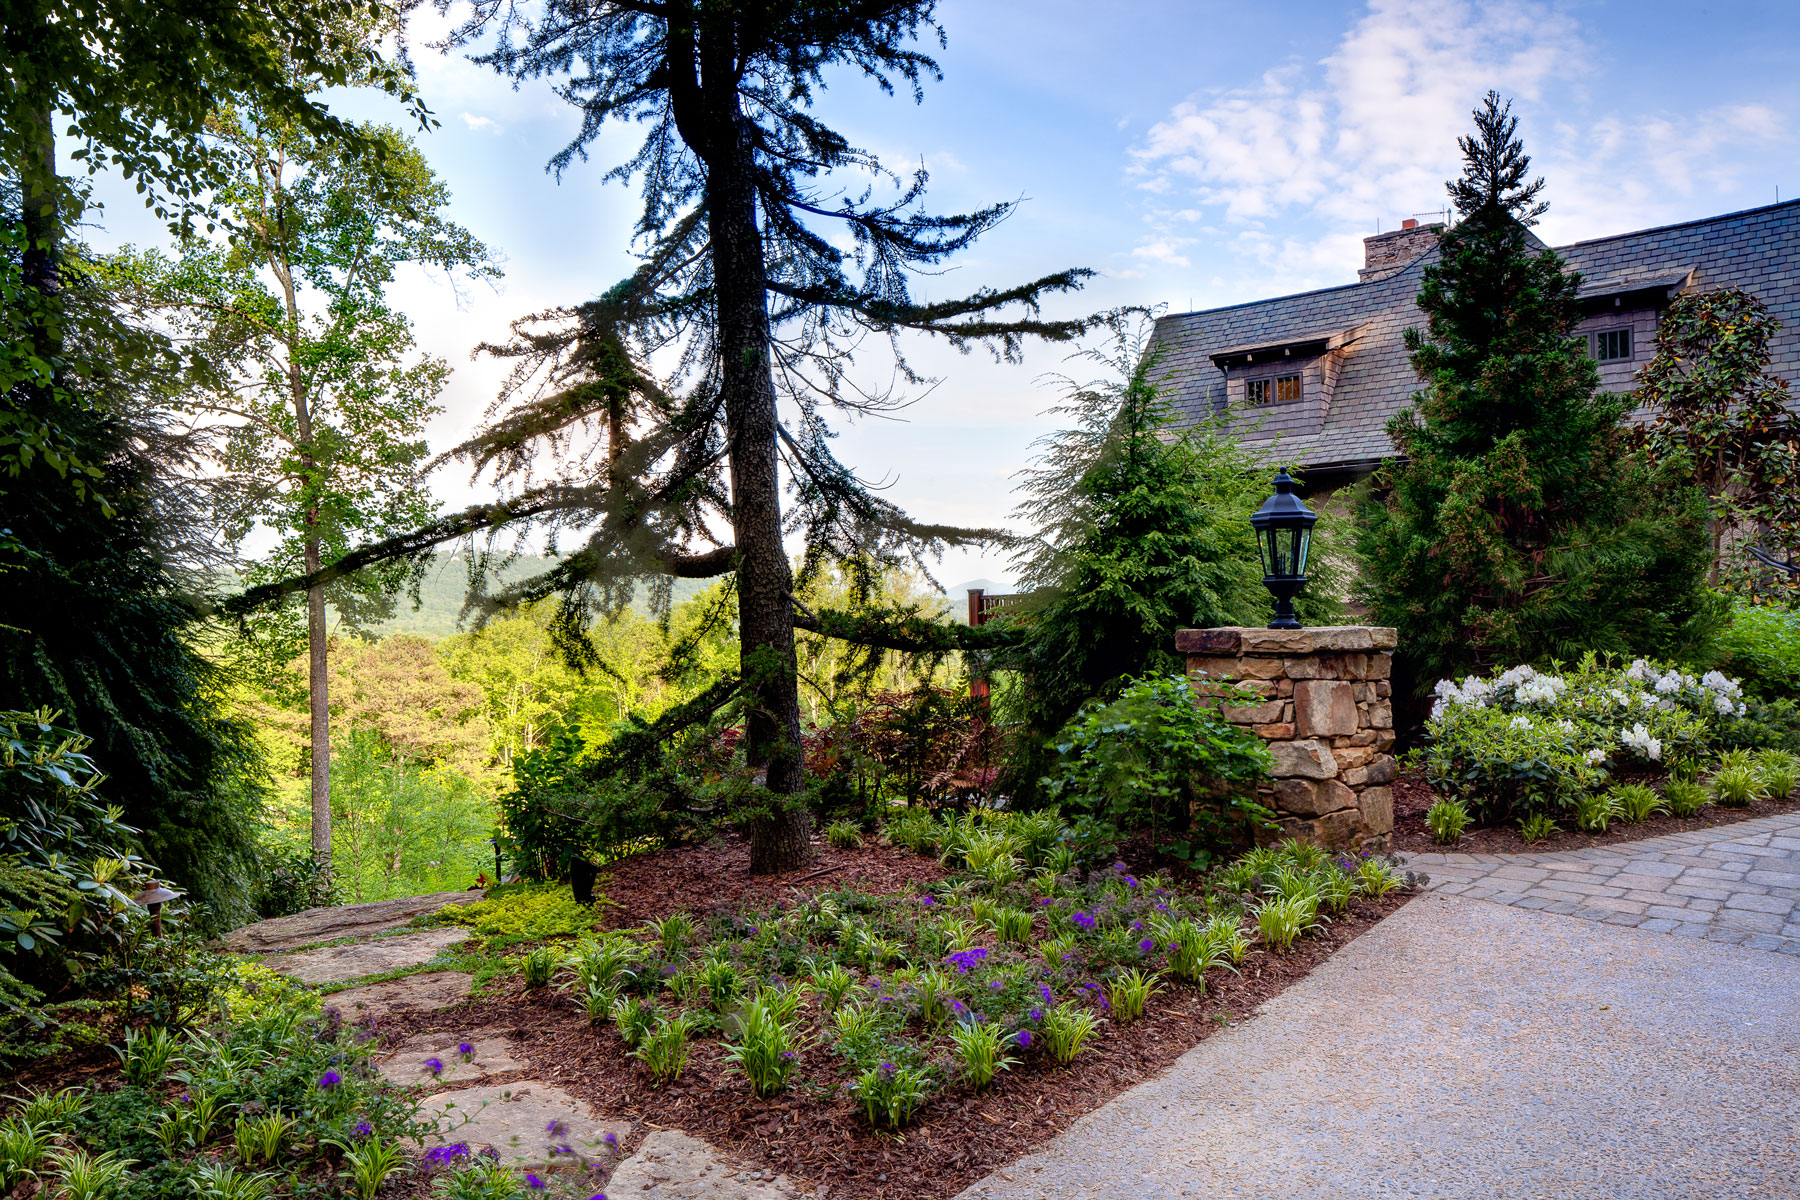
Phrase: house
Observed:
(1316, 376)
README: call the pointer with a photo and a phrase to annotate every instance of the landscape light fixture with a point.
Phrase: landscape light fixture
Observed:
(153, 897)
(1283, 537)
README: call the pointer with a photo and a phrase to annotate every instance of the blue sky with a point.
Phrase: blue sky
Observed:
(1195, 154)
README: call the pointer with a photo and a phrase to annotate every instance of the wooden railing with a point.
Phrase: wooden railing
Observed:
(984, 608)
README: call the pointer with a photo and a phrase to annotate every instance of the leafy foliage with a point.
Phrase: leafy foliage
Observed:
(1521, 526)
(1724, 422)
(1159, 759)
(1761, 644)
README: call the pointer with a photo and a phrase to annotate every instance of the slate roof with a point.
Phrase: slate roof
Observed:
(1757, 250)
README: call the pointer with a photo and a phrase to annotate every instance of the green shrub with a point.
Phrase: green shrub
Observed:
(1066, 1030)
(538, 966)
(1447, 819)
(635, 1020)
(1536, 828)
(1127, 995)
(1524, 741)
(1158, 760)
(768, 1050)
(890, 1096)
(845, 835)
(1595, 811)
(1737, 784)
(981, 1048)
(1635, 802)
(1761, 644)
(1685, 797)
(1279, 923)
(1375, 878)
(664, 1050)
(1780, 772)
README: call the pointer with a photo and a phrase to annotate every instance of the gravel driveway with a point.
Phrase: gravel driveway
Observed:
(1466, 1048)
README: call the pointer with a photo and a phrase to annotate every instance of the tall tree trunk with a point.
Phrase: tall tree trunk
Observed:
(41, 263)
(780, 839)
(318, 703)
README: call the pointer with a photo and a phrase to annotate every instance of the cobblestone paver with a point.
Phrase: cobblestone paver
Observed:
(1738, 884)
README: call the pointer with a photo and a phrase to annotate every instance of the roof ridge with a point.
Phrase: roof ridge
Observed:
(1742, 212)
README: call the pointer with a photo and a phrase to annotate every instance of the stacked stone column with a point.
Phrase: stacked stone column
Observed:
(1322, 703)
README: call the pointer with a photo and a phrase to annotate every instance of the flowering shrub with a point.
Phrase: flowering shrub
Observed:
(1525, 742)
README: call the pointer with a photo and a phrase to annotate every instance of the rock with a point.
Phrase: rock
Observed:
(1381, 714)
(525, 1123)
(357, 959)
(1305, 758)
(1336, 829)
(1377, 805)
(1349, 758)
(492, 1055)
(432, 990)
(1324, 708)
(1255, 714)
(330, 924)
(1312, 797)
(671, 1163)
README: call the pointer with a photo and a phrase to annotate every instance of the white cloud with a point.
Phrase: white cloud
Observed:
(1305, 162)
(479, 123)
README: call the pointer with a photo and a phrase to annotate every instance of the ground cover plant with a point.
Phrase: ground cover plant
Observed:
(1014, 969)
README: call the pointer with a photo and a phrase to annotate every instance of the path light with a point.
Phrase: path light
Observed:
(1283, 537)
(153, 897)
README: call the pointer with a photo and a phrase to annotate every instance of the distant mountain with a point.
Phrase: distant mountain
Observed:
(446, 585)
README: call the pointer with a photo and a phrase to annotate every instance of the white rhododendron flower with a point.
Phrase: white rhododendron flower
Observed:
(1596, 756)
(1638, 738)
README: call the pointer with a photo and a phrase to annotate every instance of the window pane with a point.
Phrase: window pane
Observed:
(1256, 391)
(1287, 388)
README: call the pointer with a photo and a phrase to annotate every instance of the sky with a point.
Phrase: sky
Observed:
(1194, 154)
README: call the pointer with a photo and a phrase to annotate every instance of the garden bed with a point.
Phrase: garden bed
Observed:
(814, 1130)
(1413, 796)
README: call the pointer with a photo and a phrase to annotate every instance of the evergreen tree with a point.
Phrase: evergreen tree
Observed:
(1140, 533)
(770, 258)
(1521, 526)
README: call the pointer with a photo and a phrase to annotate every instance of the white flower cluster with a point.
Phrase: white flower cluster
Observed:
(1727, 693)
(1540, 689)
(1638, 738)
(1473, 693)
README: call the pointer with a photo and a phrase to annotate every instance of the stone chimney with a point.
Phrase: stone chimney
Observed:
(1386, 253)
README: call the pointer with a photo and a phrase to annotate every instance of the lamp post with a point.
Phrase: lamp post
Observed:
(1283, 536)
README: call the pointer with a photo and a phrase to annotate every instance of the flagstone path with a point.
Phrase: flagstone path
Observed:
(492, 1103)
(1505, 1035)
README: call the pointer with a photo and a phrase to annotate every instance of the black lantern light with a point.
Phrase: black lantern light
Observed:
(1283, 537)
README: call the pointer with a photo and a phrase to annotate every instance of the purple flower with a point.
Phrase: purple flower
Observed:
(787, 1054)
(445, 1155)
(329, 1080)
(611, 1139)
(534, 1183)
(993, 985)
(1044, 991)
(435, 1065)
(958, 1006)
(1119, 866)
(556, 1128)
(1023, 1038)
(926, 900)
(598, 1196)
(964, 959)
(1036, 1014)
(1147, 945)
(466, 1050)
(1131, 881)
(1083, 920)
(363, 1129)
(1138, 925)
(1162, 908)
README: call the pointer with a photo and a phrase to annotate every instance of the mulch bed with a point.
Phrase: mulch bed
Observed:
(814, 1133)
(1412, 796)
(702, 879)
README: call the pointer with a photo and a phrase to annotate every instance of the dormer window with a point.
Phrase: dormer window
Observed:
(1256, 391)
(1287, 387)
(1612, 345)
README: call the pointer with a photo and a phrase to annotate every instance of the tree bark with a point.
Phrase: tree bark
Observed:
(779, 838)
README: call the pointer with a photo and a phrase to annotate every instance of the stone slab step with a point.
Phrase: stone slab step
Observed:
(344, 920)
(673, 1164)
(490, 1054)
(532, 1126)
(354, 960)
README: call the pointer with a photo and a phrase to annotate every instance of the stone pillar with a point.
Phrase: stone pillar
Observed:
(1323, 707)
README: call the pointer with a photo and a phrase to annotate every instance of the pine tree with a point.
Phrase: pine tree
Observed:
(775, 248)
(1520, 526)
(1140, 533)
